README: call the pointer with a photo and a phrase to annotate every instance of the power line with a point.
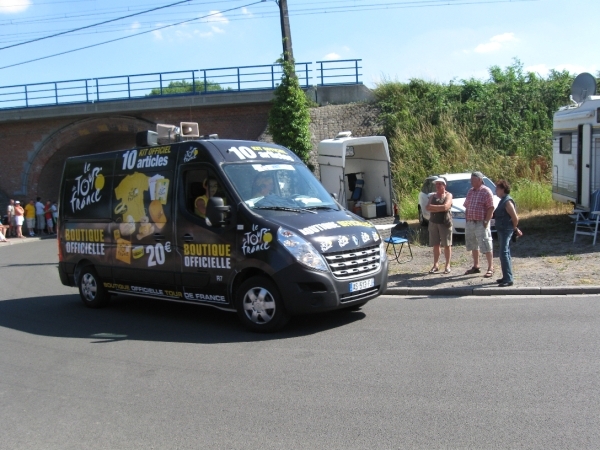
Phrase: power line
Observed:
(95, 25)
(127, 37)
(293, 12)
(300, 11)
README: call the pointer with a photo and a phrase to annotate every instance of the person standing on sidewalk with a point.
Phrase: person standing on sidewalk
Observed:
(48, 216)
(506, 224)
(440, 224)
(39, 216)
(30, 218)
(10, 213)
(19, 211)
(479, 207)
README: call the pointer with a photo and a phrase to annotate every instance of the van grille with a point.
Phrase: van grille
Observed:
(352, 296)
(354, 263)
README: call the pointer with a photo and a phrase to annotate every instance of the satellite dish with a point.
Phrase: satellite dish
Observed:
(583, 85)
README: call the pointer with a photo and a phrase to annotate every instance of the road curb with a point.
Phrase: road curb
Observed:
(492, 291)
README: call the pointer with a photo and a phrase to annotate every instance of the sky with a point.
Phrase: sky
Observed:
(396, 40)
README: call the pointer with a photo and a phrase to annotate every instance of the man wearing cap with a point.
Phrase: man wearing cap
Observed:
(440, 229)
(479, 207)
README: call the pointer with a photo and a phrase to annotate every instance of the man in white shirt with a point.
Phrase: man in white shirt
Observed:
(39, 216)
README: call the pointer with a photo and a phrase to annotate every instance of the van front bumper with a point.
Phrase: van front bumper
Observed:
(306, 291)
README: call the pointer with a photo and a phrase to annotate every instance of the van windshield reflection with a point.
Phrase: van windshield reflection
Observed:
(288, 187)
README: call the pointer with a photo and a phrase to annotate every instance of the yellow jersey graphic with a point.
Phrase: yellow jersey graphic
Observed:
(131, 193)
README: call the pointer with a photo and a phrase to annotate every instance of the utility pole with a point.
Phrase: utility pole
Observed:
(286, 35)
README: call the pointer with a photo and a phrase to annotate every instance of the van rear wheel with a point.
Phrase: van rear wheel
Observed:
(91, 290)
(259, 305)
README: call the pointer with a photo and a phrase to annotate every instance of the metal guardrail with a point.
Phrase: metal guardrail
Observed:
(189, 82)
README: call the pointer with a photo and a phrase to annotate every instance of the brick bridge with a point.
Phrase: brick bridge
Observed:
(36, 141)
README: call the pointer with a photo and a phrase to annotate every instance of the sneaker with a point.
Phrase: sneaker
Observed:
(506, 284)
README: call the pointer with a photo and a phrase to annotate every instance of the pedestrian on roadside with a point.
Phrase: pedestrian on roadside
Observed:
(10, 213)
(19, 211)
(479, 207)
(506, 224)
(3, 231)
(440, 224)
(30, 217)
(39, 216)
(48, 217)
(54, 209)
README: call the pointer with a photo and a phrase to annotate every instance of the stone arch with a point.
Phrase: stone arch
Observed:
(98, 135)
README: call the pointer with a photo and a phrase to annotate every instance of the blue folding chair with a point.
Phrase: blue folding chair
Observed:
(589, 225)
(398, 239)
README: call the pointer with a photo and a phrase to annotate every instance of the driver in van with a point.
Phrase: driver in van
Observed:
(263, 185)
(211, 186)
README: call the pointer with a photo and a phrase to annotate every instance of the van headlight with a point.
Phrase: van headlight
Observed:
(458, 214)
(301, 249)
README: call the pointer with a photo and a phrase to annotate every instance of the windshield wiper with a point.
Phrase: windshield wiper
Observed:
(285, 208)
(321, 207)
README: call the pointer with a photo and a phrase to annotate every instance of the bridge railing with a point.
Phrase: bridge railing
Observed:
(189, 82)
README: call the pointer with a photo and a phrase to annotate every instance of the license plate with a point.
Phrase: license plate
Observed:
(363, 284)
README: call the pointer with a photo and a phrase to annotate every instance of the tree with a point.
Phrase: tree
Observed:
(183, 87)
(289, 117)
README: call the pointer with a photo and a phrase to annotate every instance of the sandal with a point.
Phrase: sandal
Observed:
(489, 273)
(447, 270)
(434, 270)
(473, 270)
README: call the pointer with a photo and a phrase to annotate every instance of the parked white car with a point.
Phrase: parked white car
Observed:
(458, 184)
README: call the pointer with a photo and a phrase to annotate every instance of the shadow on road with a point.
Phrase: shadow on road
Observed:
(129, 318)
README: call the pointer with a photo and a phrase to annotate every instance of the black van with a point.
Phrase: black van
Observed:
(237, 225)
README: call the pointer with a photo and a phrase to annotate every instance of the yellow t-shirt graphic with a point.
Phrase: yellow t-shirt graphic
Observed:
(131, 193)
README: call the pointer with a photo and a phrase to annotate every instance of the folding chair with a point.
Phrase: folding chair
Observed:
(589, 225)
(398, 238)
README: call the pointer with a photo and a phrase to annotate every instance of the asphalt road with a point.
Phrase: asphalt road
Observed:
(405, 372)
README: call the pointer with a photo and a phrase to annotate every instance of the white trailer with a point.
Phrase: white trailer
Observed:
(366, 157)
(576, 145)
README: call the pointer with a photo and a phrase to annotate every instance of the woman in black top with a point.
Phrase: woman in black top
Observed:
(506, 224)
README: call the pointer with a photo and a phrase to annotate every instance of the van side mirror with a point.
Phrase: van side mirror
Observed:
(216, 212)
(333, 195)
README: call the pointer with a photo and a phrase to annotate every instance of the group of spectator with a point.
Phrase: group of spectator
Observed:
(39, 218)
(479, 210)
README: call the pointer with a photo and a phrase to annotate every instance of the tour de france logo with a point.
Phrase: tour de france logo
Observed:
(257, 240)
(86, 190)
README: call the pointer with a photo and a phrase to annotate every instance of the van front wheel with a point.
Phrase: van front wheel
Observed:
(259, 305)
(91, 290)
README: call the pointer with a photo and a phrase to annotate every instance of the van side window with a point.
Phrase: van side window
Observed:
(200, 185)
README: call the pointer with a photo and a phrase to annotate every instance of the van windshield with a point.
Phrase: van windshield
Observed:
(278, 186)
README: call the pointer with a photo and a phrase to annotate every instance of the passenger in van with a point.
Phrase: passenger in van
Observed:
(263, 185)
(211, 186)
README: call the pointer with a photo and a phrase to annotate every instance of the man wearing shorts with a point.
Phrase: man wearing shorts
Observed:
(479, 207)
(39, 215)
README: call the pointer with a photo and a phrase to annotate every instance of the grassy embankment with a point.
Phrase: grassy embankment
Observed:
(501, 127)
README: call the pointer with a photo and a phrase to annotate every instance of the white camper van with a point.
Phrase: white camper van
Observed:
(357, 169)
(576, 145)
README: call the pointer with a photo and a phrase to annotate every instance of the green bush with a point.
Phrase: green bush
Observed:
(502, 126)
(182, 87)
